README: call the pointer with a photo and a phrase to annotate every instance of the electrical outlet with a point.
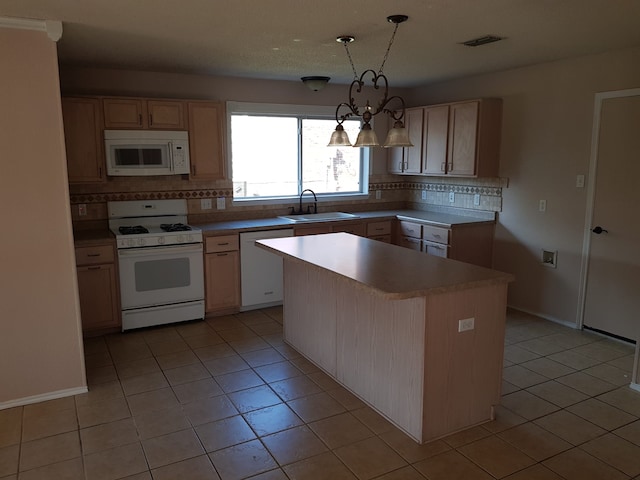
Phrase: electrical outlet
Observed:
(466, 324)
(424, 194)
(549, 258)
(220, 203)
(580, 181)
(205, 204)
(452, 197)
(476, 199)
(82, 209)
(542, 206)
(378, 194)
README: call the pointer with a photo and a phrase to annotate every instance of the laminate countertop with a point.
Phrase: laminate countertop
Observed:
(98, 236)
(432, 218)
(392, 271)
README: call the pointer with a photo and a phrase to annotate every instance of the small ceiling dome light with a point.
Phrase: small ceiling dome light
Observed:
(315, 82)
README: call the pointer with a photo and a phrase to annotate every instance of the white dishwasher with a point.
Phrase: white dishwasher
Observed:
(261, 271)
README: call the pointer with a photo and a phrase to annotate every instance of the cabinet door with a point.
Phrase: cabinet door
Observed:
(206, 140)
(413, 155)
(165, 114)
(463, 130)
(436, 128)
(395, 159)
(83, 139)
(127, 113)
(222, 277)
(97, 289)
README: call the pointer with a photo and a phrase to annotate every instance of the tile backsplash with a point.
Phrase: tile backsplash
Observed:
(396, 192)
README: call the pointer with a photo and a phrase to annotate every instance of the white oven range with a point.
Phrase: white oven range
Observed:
(160, 262)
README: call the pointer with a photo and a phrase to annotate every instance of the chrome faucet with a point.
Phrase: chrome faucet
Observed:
(315, 202)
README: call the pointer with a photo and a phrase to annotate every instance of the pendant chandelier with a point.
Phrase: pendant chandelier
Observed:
(398, 136)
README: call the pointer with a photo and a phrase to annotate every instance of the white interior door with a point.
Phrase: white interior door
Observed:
(612, 296)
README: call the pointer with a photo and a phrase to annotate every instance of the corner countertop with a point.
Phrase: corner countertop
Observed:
(99, 236)
(391, 271)
(433, 218)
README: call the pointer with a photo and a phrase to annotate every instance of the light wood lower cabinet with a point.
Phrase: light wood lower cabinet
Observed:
(222, 273)
(470, 243)
(380, 231)
(98, 288)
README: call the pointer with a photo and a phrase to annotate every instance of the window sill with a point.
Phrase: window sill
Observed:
(238, 202)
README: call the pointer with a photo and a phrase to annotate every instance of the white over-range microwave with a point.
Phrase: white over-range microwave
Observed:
(146, 152)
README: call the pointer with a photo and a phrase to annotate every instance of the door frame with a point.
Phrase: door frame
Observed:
(591, 193)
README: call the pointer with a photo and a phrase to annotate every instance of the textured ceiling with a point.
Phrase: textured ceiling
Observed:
(287, 39)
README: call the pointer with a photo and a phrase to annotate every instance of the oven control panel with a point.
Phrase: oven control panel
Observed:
(138, 241)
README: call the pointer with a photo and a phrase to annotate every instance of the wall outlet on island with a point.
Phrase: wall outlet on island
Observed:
(205, 204)
(466, 324)
(220, 203)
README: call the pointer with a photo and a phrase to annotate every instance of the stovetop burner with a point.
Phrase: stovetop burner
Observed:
(175, 227)
(132, 230)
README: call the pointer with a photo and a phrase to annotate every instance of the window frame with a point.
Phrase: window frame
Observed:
(300, 112)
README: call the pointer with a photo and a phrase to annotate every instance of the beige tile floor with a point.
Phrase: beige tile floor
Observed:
(227, 399)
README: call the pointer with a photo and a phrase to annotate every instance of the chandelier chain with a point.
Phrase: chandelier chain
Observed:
(353, 67)
(386, 55)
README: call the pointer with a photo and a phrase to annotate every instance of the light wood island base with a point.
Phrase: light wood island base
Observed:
(383, 322)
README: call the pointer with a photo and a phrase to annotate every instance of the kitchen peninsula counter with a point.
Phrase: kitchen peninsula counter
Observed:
(384, 322)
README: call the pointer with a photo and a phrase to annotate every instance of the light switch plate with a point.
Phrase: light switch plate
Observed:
(424, 194)
(205, 204)
(542, 206)
(452, 197)
(476, 199)
(466, 324)
(378, 194)
(220, 203)
(580, 181)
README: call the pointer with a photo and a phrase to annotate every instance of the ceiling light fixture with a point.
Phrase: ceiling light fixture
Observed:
(398, 135)
(315, 82)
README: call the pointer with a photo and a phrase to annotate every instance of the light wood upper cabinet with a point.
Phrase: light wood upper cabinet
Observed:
(135, 113)
(166, 114)
(83, 139)
(409, 159)
(435, 133)
(473, 148)
(206, 147)
(458, 139)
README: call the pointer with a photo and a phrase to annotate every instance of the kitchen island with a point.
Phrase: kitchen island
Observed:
(418, 338)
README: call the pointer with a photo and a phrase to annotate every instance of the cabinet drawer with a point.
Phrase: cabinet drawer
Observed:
(410, 242)
(410, 229)
(317, 230)
(223, 243)
(381, 238)
(352, 228)
(378, 228)
(435, 234)
(94, 255)
(435, 249)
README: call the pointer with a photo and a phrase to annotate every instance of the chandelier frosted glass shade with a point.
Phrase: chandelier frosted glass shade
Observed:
(339, 138)
(367, 137)
(398, 136)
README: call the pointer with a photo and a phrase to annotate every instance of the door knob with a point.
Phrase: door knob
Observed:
(598, 230)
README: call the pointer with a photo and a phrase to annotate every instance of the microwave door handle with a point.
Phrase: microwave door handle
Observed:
(171, 165)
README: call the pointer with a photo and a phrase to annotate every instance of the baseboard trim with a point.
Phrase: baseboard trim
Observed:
(546, 317)
(635, 386)
(43, 397)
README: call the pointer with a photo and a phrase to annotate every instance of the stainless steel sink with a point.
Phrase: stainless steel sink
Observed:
(319, 217)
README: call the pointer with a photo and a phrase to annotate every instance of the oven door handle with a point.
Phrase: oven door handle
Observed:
(154, 251)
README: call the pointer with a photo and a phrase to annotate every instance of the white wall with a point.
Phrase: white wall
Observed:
(40, 334)
(546, 138)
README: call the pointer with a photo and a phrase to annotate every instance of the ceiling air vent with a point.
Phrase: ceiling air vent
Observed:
(482, 40)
